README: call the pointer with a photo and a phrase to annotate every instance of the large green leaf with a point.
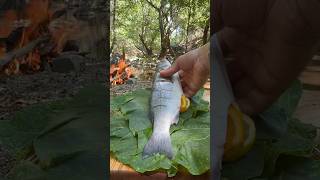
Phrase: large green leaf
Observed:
(27, 170)
(67, 139)
(250, 166)
(274, 121)
(18, 132)
(297, 168)
(90, 165)
(190, 137)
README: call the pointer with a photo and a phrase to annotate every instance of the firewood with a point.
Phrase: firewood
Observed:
(17, 53)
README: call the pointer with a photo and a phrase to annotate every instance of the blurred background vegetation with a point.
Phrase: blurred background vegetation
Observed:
(154, 28)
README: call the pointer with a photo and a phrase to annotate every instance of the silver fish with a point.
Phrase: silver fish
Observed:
(164, 111)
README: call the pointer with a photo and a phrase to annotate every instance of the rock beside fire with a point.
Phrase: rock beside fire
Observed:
(131, 81)
(66, 63)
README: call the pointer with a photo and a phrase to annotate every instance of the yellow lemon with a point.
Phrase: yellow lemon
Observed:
(240, 134)
(185, 103)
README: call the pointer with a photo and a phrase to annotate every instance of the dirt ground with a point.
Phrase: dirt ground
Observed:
(19, 91)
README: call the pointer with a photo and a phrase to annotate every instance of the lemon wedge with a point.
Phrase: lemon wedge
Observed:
(241, 134)
(185, 103)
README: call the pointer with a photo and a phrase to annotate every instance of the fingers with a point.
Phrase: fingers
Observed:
(181, 74)
(170, 71)
(256, 101)
(188, 92)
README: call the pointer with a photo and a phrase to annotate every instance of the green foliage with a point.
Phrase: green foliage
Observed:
(60, 140)
(137, 17)
(129, 134)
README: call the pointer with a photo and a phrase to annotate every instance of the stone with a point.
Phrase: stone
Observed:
(68, 62)
(131, 81)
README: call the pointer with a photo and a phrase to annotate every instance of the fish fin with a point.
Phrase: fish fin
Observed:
(151, 114)
(176, 119)
(158, 143)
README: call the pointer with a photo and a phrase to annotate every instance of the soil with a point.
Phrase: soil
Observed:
(124, 88)
(20, 91)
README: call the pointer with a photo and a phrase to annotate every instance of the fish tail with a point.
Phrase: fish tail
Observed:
(158, 143)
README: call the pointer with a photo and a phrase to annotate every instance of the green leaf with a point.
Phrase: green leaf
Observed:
(296, 168)
(274, 121)
(290, 98)
(17, 133)
(27, 171)
(190, 137)
(67, 139)
(194, 155)
(136, 108)
(85, 166)
(250, 166)
(86, 131)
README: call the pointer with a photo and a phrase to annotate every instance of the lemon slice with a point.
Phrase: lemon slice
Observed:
(240, 134)
(185, 103)
(250, 136)
(235, 131)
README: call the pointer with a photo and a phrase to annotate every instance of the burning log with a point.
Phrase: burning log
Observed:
(24, 23)
(17, 53)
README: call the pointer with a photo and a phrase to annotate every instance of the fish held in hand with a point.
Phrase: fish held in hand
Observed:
(164, 111)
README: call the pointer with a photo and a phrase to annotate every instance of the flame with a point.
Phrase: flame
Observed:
(36, 17)
(33, 59)
(128, 72)
(37, 12)
(120, 72)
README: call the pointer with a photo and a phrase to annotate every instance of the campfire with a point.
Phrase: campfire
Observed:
(33, 33)
(18, 30)
(120, 71)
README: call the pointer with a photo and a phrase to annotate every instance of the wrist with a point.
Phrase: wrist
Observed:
(204, 56)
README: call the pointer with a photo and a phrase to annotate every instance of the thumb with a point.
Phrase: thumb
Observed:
(170, 71)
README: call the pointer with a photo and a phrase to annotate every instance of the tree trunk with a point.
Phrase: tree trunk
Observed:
(114, 37)
(163, 51)
(148, 51)
(205, 33)
(164, 36)
(188, 25)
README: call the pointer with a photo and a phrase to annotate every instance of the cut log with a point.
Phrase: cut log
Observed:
(17, 53)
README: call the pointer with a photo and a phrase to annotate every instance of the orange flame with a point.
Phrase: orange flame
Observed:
(120, 72)
(36, 12)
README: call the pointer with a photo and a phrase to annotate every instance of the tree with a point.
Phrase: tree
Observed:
(155, 26)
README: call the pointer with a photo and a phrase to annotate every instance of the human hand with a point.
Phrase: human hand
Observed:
(271, 42)
(193, 68)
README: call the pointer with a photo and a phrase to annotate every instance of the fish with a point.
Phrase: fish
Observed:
(164, 111)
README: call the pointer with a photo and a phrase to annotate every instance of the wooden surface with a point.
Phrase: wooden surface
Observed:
(119, 171)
